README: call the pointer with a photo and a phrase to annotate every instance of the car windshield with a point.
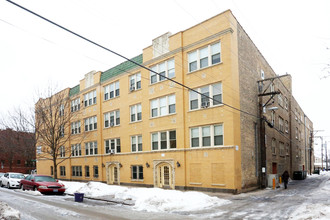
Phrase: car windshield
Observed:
(44, 179)
(17, 176)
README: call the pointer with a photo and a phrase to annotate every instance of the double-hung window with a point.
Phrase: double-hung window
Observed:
(163, 106)
(76, 170)
(112, 146)
(90, 98)
(112, 119)
(91, 148)
(61, 110)
(136, 112)
(96, 171)
(136, 143)
(202, 100)
(163, 140)
(75, 105)
(164, 69)
(204, 57)
(62, 171)
(91, 123)
(76, 150)
(75, 127)
(137, 172)
(62, 151)
(206, 136)
(281, 124)
(111, 91)
(135, 82)
(273, 146)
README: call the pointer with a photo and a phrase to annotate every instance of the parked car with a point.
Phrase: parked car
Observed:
(1, 174)
(43, 183)
(11, 180)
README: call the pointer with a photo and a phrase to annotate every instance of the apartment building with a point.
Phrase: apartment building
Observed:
(143, 128)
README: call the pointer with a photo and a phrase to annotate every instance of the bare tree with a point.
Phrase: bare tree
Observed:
(53, 118)
(49, 124)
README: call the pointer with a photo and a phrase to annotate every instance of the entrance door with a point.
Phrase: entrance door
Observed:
(164, 176)
(274, 168)
(113, 174)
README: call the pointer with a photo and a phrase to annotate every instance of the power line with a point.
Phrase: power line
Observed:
(132, 61)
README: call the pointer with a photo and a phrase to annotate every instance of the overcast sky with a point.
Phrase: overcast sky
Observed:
(293, 36)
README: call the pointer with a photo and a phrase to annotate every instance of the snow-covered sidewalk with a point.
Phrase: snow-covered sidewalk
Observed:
(147, 199)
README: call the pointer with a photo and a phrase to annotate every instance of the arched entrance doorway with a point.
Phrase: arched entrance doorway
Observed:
(164, 174)
(113, 173)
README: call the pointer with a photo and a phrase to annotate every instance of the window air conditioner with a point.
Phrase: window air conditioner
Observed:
(132, 88)
(112, 151)
(112, 124)
(205, 104)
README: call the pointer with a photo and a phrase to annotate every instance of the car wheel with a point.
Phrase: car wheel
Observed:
(8, 186)
(34, 188)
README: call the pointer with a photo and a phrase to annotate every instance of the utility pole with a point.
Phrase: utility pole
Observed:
(262, 120)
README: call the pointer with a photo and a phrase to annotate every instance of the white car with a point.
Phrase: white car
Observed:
(11, 180)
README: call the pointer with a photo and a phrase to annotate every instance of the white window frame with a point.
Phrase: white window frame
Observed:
(62, 151)
(196, 57)
(75, 105)
(202, 135)
(75, 150)
(108, 121)
(136, 143)
(136, 113)
(159, 140)
(61, 113)
(202, 101)
(112, 144)
(165, 68)
(91, 148)
(76, 171)
(90, 98)
(134, 82)
(91, 123)
(76, 127)
(111, 91)
(139, 171)
(164, 102)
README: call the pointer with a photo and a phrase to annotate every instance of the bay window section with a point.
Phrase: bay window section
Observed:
(163, 106)
(163, 140)
(165, 70)
(204, 57)
(203, 100)
(90, 98)
(111, 91)
(211, 136)
(112, 146)
(112, 119)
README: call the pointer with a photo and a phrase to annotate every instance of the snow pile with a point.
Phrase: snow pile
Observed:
(8, 213)
(148, 199)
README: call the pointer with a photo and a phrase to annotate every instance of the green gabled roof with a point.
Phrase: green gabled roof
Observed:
(123, 67)
(74, 91)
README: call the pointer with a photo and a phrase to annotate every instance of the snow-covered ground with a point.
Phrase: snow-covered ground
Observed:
(304, 201)
(148, 199)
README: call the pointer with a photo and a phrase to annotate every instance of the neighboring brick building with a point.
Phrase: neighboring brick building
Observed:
(18, 152)
(142, 129)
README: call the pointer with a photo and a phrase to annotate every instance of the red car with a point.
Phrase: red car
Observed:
(43, 183)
